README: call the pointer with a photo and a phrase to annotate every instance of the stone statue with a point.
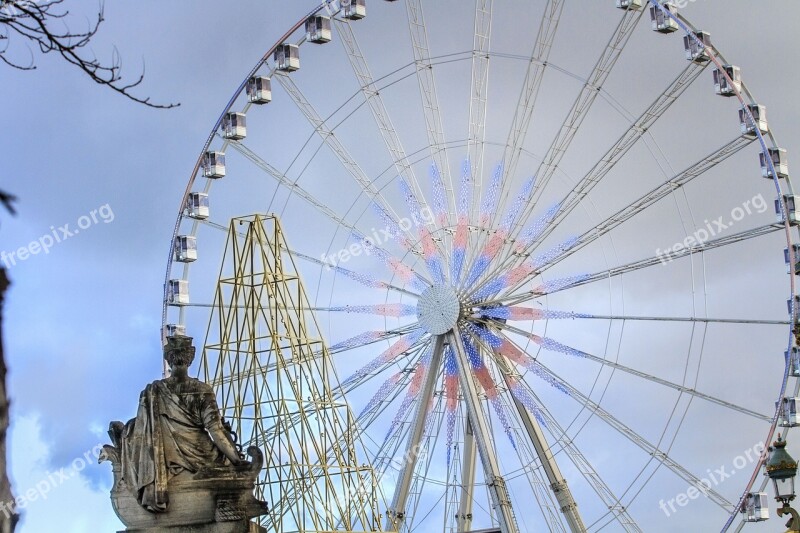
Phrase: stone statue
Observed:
(177, 464)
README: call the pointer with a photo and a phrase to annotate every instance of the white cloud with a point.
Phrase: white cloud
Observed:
(65, 502)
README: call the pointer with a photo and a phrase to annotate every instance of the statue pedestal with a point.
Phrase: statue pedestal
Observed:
(219, 527)
(214, 500)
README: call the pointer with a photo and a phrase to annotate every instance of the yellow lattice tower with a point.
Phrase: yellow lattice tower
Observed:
(272, 372)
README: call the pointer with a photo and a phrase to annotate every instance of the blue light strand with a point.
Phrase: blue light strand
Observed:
(490, 198)
(405, 343)
(465, 194)
(439, 197)
(522, 198)
(383, 392)
(532, 232)
(555, 285)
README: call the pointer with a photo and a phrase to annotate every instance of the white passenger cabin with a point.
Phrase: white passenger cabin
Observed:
(793, 357)
(178, 292)
(171, 330)
(259, 90)
(234, 126)
(756, 507)
(696, 51)
(185, 248)
(724, 86)
(787, 259)
(197, 205)
(629, 4)
(318, 29)
(787, 412)
(660, 21)
(287, 57)
(791, 202)
(759, 113)
(214, 165)
(354, 9)
(779, 161)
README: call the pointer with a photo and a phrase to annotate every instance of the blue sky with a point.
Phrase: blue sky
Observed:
(82, 321)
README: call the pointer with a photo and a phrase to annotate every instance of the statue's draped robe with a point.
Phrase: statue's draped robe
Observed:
(169, 436)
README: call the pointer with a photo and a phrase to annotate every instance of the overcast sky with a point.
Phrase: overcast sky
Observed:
(82, 321)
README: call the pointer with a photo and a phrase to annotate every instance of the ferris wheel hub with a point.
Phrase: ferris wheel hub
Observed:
(438, 309)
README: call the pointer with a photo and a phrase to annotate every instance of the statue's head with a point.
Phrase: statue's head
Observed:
(179, 351)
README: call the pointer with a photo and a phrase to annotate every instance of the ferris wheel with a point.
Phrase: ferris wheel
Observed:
(537, 241)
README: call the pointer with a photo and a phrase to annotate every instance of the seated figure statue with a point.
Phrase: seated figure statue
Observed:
(176, 463)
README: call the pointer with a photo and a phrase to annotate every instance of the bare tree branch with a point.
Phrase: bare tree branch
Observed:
(7, 200)
(32, 20)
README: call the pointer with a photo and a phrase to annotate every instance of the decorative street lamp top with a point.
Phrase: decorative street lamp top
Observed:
(781, 465)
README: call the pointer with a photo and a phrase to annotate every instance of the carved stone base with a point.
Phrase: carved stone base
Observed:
(219, 527)
(214, 500)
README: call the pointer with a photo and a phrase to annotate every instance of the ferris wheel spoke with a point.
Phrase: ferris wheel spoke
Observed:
(497, 240)
(364, 279)
(478, 420)
(469, 461)
(406, 382)
(587, 471)
(375, 102)
(441, 198)
(514, 277)
(422, 475)
(532, 232)
(699, 248)
(368, 337)
(489, 201)
(296, 189)
(661, 456)
(533, 470)
(645, 201)
(390, 447)
(484, 378)
(430, 250)
(332, 141)
(555, 346)
(711, 320)
(517, 313)
(533, 81)
(430, 105)
(235, 376)
(404, 344)
(396, 514)
(490, 243)
(530, 416)
(479, 89)
(584, 101)
(290, 185)
(394, 383)
(627, 140)
(399, 268)
(461, 236)
(392, 310)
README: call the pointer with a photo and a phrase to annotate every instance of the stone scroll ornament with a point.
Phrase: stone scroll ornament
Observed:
(177, 466)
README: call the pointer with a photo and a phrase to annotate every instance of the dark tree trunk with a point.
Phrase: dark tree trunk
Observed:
(8, 519)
